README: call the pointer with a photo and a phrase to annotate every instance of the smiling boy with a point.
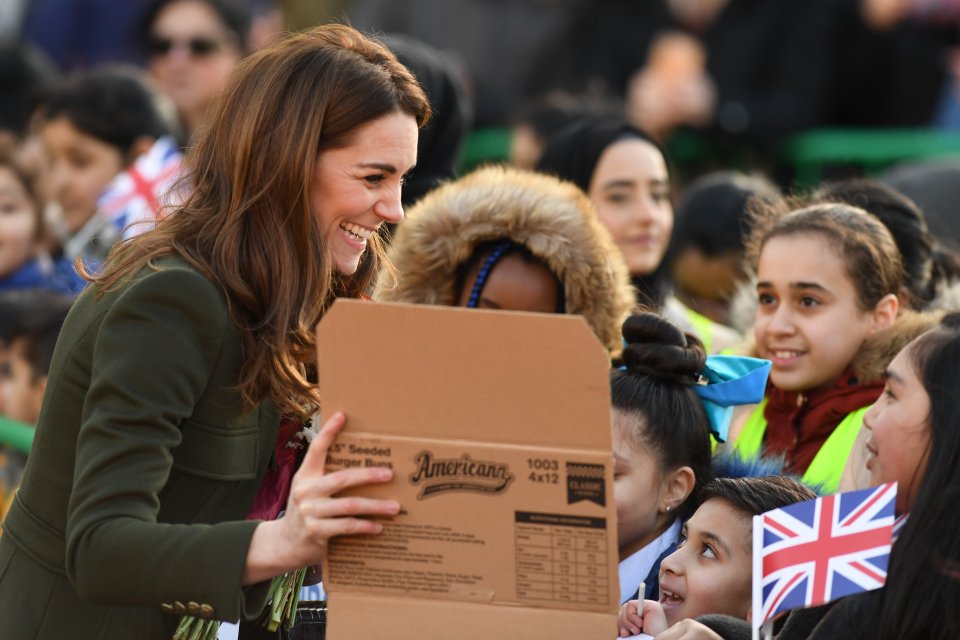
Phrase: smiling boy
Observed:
(710, 572)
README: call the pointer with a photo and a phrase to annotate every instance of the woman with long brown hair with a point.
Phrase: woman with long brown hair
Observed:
(172, 371)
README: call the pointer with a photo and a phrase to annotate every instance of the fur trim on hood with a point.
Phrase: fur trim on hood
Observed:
(554, 220)
(873, 358)
(948, 297)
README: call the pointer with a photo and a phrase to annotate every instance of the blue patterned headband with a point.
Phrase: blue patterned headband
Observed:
(498, 250)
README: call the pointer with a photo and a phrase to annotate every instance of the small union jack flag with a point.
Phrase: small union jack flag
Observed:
(820, 550)
(133, 200)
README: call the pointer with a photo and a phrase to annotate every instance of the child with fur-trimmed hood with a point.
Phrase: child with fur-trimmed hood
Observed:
(501, 238)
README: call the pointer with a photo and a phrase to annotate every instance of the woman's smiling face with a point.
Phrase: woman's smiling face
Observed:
(357, 187)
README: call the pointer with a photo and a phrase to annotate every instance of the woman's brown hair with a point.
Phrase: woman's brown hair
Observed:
(248, 224)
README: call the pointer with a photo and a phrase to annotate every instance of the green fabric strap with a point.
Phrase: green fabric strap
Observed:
(750, 440)
(827, 466)
(702, 326)
(16, 435)
(826, 470)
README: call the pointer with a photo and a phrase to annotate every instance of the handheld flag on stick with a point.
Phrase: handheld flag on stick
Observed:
(816, 551)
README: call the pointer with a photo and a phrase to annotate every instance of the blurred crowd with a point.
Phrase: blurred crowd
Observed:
(100, 100)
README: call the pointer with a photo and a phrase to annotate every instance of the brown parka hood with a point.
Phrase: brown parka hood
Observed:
(554, 220)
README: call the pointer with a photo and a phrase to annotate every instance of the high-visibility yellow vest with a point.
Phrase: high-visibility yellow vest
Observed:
(702, 327)
(827, 466)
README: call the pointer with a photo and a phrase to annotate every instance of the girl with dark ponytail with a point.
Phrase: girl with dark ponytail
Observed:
(661, 445)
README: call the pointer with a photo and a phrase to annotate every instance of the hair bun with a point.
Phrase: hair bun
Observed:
(657, 348)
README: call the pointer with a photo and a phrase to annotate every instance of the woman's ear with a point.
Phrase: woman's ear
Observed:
(885, 313)
(678, 485)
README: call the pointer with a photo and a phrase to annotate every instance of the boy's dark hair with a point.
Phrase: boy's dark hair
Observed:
(113, 104)
(22, 309)
(661, 367)
(906, 223)
(37, 335)
(235, 17)
(25, 73)
(754, 496)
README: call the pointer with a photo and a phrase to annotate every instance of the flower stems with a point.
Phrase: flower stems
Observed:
(284, 597)
(191, 628)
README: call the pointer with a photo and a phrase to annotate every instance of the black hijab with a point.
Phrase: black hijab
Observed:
(573, 155)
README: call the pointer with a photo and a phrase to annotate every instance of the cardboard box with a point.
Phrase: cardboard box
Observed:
(497, 427)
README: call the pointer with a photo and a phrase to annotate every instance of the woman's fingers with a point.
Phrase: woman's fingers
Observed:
(309, 484)
(313, 503)
(322, 529)
(352, 506)
(316, 455)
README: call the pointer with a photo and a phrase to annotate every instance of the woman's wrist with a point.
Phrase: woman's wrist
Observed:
(270, 554)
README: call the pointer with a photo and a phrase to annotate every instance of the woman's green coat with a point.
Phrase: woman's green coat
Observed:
(143, 468)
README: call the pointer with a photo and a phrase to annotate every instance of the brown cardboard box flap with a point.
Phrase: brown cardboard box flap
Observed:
(497, 428)
(409, 370)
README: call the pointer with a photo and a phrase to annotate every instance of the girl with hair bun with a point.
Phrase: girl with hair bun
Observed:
(661, 445)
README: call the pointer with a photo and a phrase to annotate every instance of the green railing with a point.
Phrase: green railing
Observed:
(871, 150)
(16, 435)
(807, 155)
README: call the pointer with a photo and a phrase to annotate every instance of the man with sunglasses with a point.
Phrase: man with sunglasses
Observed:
(192, 46)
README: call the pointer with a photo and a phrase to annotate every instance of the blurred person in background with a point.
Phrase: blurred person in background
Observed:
(93, 127)
(23, 262)
(192, 46)
(538, 120)
(500, 43)
(25, 73)
(747, 70)
(934, 184)
(30, 321)
(898, 67)
(625, 174)
(78, 34)
(441, 140)
(706, 254)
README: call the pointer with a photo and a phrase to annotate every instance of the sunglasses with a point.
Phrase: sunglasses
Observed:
(198, 47)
